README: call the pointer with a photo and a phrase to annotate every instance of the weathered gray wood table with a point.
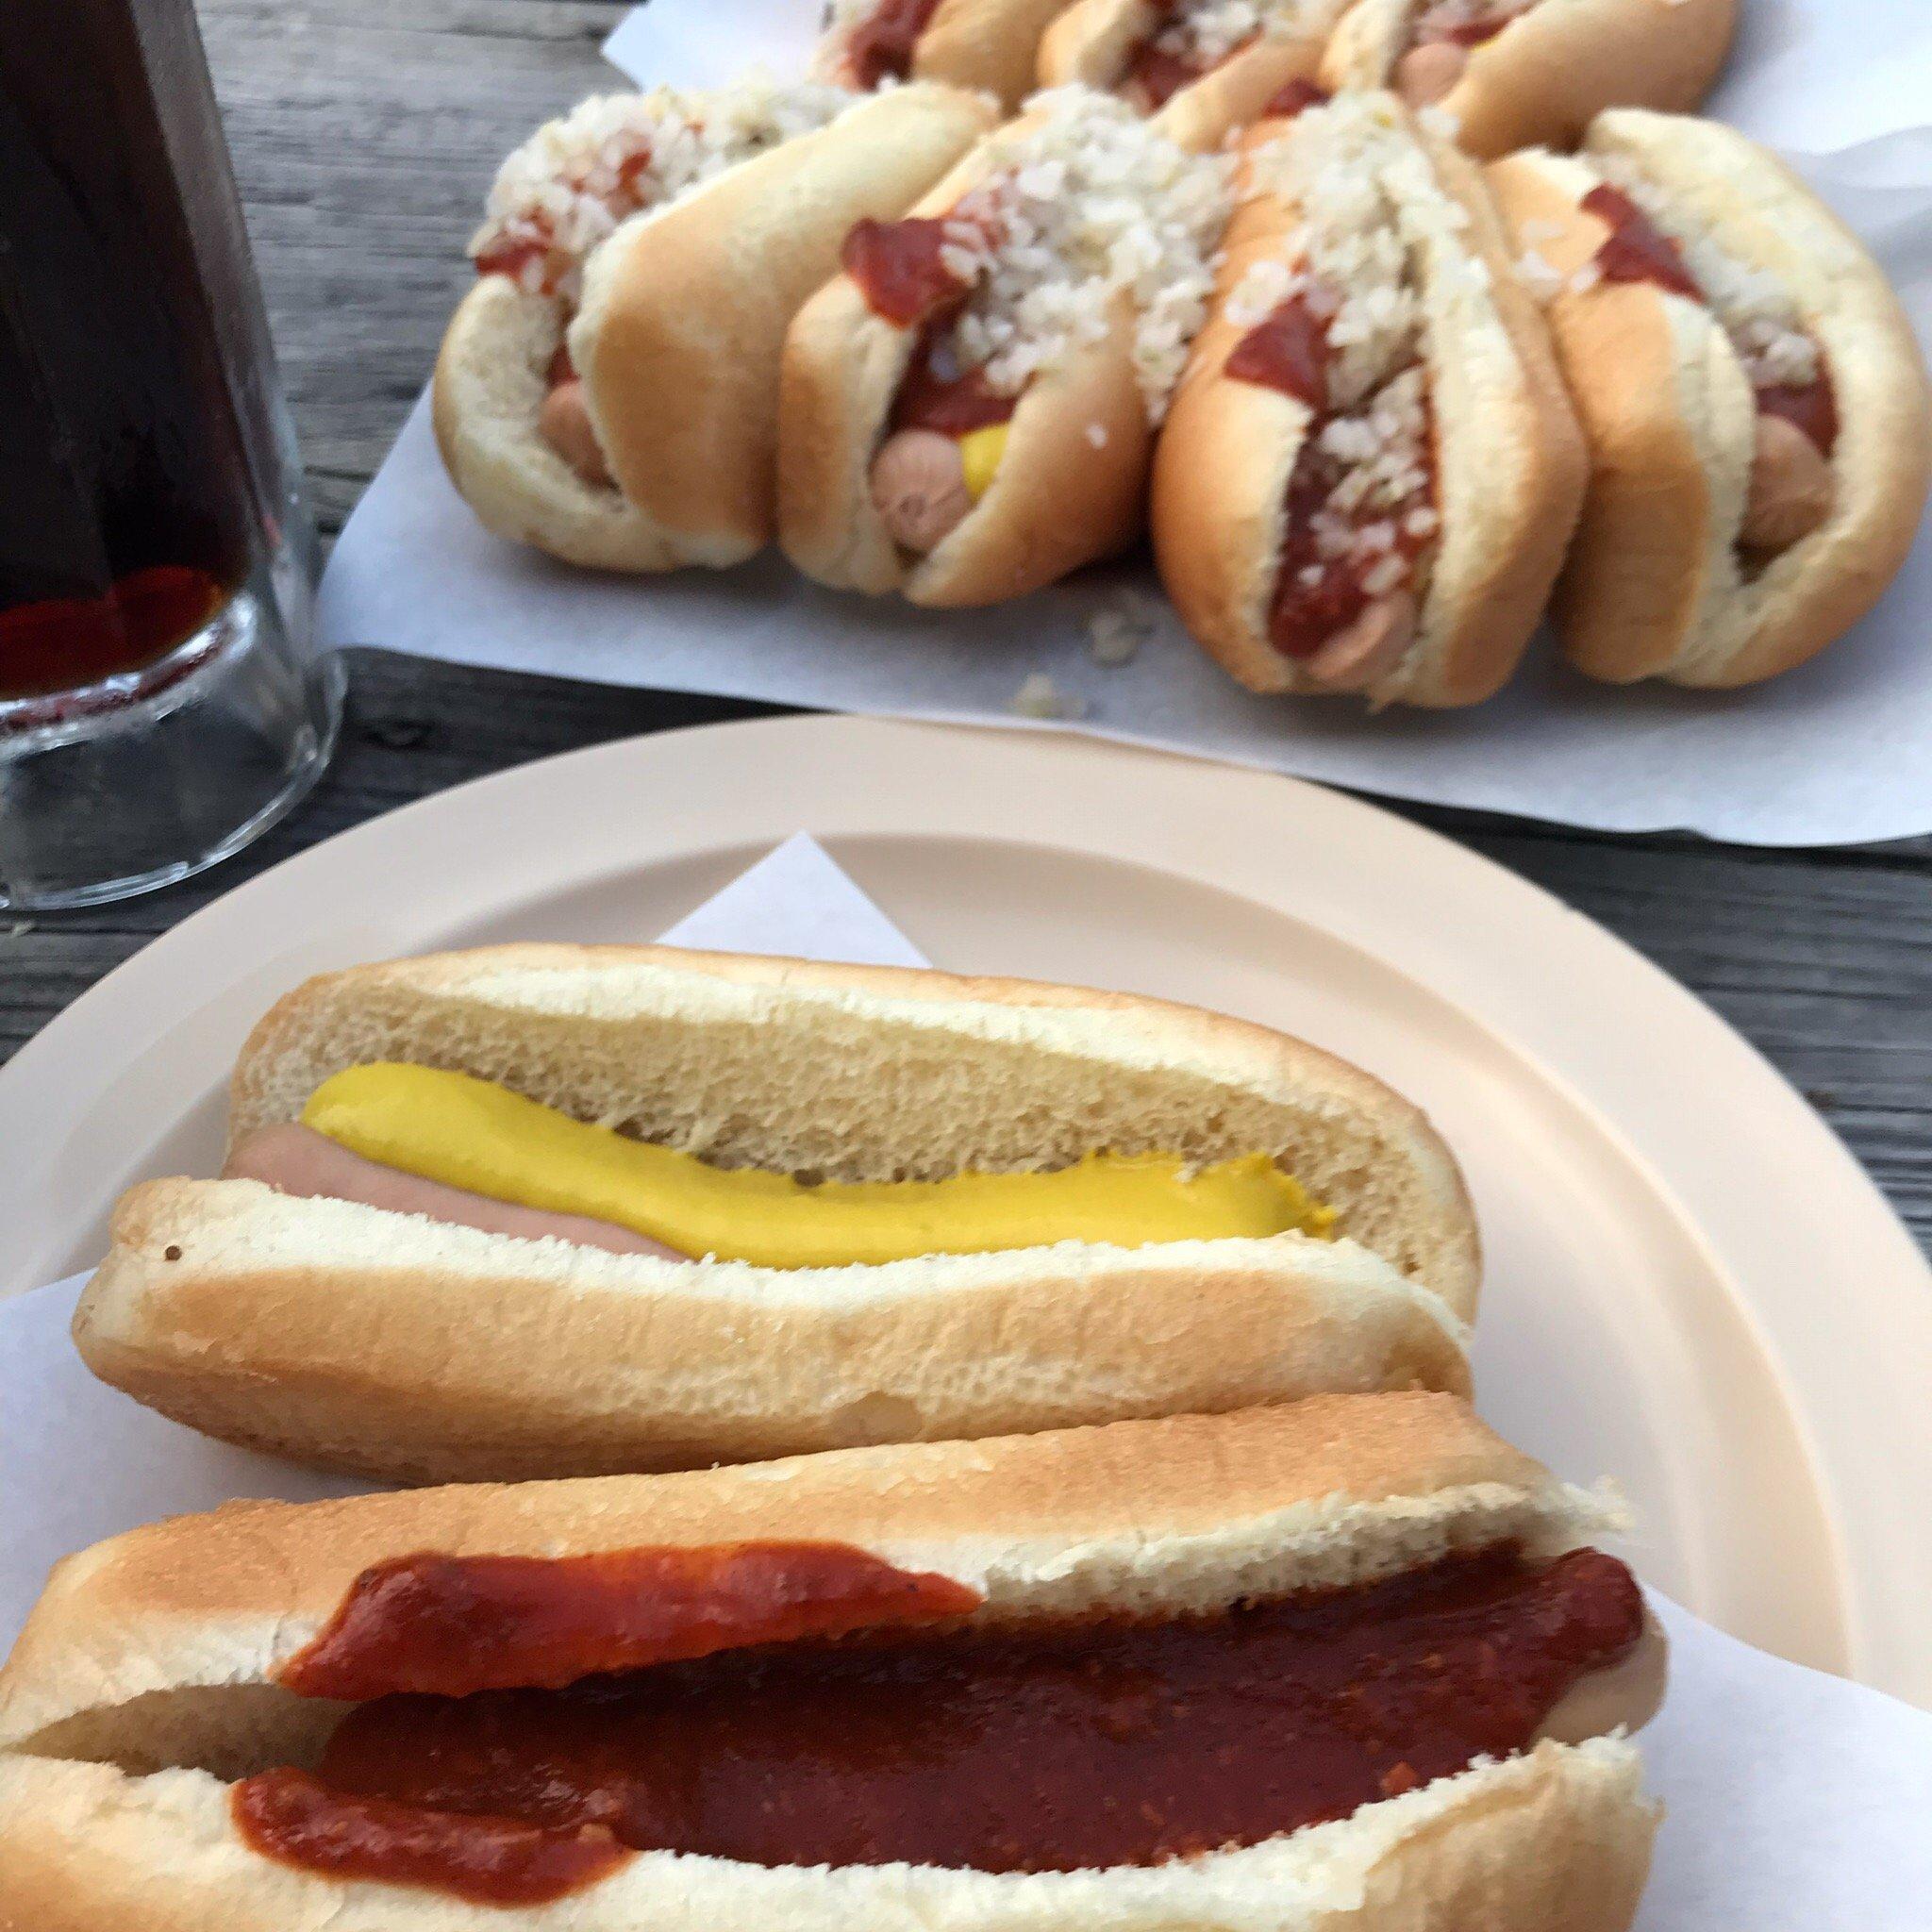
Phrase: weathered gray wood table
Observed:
(365, 133)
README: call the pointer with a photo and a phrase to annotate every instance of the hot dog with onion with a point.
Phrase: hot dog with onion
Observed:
(608, 390)
(1348, 1662)
(1516, 73)
(566, 1211)
(988, 45)
(966, 411)
(1206, 67)
(1753, 395)
(1371, 471)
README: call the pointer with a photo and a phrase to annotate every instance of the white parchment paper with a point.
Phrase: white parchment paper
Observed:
(1836, 753)
(1796, 1803)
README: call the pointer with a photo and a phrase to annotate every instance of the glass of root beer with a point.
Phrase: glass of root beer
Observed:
(161, 700)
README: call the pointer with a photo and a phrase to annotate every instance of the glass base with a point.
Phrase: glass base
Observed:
(146, 779)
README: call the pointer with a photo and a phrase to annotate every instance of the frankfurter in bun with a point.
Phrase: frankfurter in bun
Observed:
(1371, 470)
(1348, 1663)
(1753, 396)
(608, 390)
(966, 410)
(557, 1209)
(1206, 67)
(1518, 73)
(989, 46)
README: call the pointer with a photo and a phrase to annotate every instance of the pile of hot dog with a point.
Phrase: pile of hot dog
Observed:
(1398, 323)
(1132, 1560)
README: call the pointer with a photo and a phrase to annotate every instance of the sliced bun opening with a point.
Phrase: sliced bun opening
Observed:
(847, 1075)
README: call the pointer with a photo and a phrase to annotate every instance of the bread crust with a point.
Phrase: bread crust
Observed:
(1544, 77)
(985, 44)
(1090, 41)
(365, 1341)
(1070, 488)
(490, 380)
(1510, 464)
(684, 315)
(1555, 1840)
(873, 1072)
(1181, 1514)
(143, 1679)
(1667, 415)
(1654, 586)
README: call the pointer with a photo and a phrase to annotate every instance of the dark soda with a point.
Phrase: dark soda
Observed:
(126, 497)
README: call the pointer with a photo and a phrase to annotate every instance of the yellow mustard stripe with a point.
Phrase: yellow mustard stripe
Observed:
(470, 1133)
(981, 452)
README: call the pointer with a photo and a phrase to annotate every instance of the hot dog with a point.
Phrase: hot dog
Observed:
(966, 411)
(608, 390)
(1206, 67)
(848, 1206)
(988, 45)
(1351, 1662)
(1753, 395)
(1371, 471)
(1515, 72)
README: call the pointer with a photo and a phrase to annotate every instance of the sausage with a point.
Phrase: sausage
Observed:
(919, 488)
(1626, 1693)
(1791, 487)
(1367, 649)
(298, 1160)
(1425, 73)
(564, 424)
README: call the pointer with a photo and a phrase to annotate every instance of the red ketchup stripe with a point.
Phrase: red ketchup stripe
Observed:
(1063, 1746)
(1636, 249)
(457, 1624)
(1296, 97)
(1287, 351)
(898, 269)
(882, 46)
(297, 1819)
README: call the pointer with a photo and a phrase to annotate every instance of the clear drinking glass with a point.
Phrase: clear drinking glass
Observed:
(161, 701)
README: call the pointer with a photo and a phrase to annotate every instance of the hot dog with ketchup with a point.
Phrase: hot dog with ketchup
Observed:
(1371, 470)
(1753, 395)
(966, 411)
(563, 1211)
(608, 390)
(1352, 1661)
(988, 45)
(1206, 67)
(1513, 73)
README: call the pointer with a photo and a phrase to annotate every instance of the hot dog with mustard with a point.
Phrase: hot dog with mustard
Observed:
(572, 1210)
(966, 411)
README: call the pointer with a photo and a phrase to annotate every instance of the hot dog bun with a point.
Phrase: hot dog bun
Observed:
(684, 311)
(1656, 585)
(1071, 486)
(388, 1344)
(143, 1679)
(1508, 459)
(987, 45)
(1551, 71)
(1092, 42)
